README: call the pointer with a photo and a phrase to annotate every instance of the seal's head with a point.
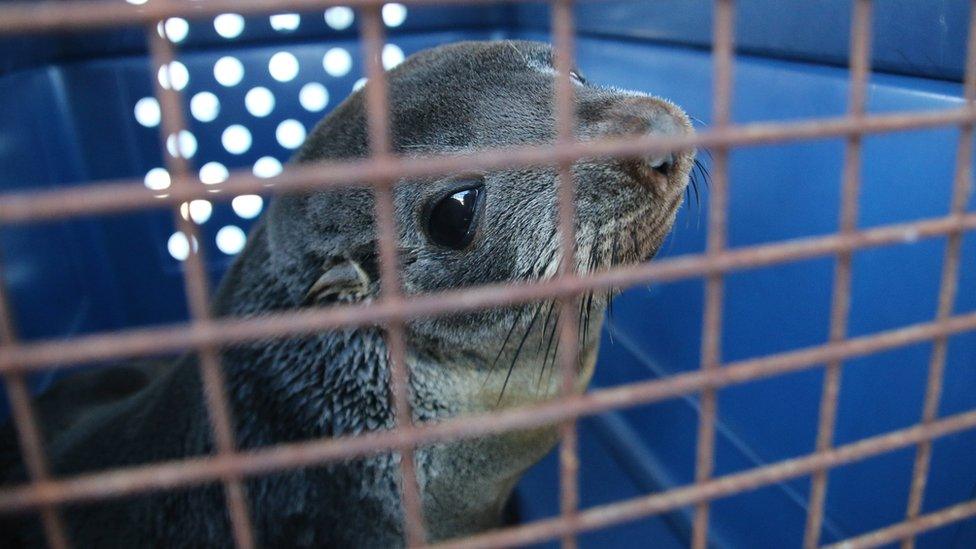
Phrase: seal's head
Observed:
(464, 229)
(468, 229)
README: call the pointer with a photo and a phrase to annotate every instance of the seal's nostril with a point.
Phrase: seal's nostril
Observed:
(662, 164)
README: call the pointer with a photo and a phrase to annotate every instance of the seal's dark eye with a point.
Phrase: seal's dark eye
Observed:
(452, 219)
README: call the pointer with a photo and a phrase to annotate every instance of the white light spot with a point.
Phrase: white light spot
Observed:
(187, 144)
(339, 17)
(236, 139)
(229, 25)
(177, 74)
(228, 71)
(147, 112)
(285, 22)
(212, 173)
(290, 134)
(231, 239)
(267, 166)
(205, 106)
(157, 179)
(198, 210)
(178, 246)
(259, 101)
(911, 236)
(176, 29)
(337, 62)
(358, 85)
(392, 56)
(283, 66)
(313, 97)
(247, 206)
(394, 14)
(136, 2)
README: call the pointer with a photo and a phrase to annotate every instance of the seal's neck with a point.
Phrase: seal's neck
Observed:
(336, 383)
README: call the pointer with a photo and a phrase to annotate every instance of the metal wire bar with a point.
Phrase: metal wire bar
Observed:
(378, 117)
(27, 16)
(568, 349)
(172, 124)
(909, 528)
(860, 61)
(207, 334)
(285, 456)
(130, 194)
(711, 342)
(962, 188)
(29, 435)
(73, 352)
(642, 506)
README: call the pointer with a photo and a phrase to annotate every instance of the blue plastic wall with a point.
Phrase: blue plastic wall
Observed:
(68, 119)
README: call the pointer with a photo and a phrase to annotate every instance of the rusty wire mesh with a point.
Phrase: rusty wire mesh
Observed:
(207, 335)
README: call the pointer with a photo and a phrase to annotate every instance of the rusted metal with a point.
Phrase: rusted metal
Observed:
(29, 436)
(80, 350)
(194, 471)
(568, 348)
(948, 286)
(162, 56)
(910, 527)
(711, 339)
(643, 506)
(130, 194)
(378, 118)
(207, 335)
(50, 15)
(860, 66)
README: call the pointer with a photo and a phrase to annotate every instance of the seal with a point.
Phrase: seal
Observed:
(318, 249)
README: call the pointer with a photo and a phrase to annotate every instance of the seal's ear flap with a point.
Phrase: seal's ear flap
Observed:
(343, 280)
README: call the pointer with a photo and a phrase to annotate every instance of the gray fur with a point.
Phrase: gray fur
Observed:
(318, 248)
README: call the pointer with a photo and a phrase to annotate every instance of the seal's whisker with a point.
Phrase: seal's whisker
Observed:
(511, 330)
(518, 351)
(552, 335)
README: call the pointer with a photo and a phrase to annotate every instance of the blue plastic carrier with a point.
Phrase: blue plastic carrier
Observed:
(70, 114)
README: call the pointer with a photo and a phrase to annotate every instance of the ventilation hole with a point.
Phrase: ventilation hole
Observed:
(147, 112)
(283, 66)
(157, 179)
(247, 206)
(267, 166)
(339, 17)
(358, 84)
(290, 134)
(231, 239)
(337, 62)
(187, 144)
(394, 14)
(236, 139)
(228, 71)
(313, 97)
(212, 173)
(392, 56)
(198, 210)
(259, 102)
(205, 106)
(177, 74)
(285, 22)
(229, 25)
(178, 246)
(177, 29)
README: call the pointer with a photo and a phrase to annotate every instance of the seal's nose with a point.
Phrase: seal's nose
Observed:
(640, 115)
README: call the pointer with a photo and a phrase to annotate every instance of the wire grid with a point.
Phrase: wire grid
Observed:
(207, 335)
